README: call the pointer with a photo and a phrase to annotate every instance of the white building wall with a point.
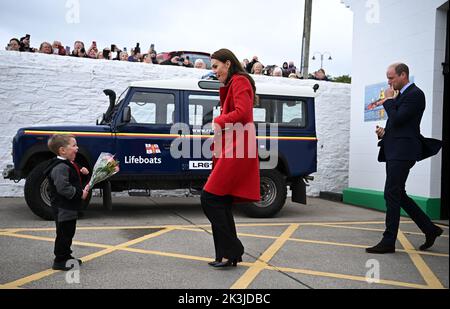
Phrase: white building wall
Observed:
(41, 90)
(385, 32)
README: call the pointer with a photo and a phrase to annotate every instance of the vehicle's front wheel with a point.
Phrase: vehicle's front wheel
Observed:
(273, 195)
(37, 193)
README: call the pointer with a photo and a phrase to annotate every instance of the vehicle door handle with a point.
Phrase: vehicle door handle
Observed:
(166, 146)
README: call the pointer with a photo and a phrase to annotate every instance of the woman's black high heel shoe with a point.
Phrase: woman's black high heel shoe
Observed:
(215, 262)
(230, 262)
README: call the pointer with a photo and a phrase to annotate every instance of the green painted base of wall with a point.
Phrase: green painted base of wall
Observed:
(375, 200)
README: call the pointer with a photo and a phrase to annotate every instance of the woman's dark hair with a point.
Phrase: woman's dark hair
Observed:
(224, 55)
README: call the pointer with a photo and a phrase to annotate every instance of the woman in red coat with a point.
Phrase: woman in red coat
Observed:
(235, 174)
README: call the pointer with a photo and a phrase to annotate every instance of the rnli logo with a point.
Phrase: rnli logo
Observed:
(152, 149)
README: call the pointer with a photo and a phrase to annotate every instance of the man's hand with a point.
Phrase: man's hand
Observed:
(380, 132)
(84, 171)
(389, 93)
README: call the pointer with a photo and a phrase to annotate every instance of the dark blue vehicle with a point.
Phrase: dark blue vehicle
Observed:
(160, 132)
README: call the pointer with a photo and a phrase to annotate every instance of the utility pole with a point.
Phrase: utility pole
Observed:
(306, 38)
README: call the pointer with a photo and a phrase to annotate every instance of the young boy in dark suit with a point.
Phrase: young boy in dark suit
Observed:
(66, 195)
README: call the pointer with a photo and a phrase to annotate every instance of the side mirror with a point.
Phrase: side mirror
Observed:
(126, 117)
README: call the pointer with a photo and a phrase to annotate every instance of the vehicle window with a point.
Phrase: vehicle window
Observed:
(203, 109)
(152, 108)
(284, 112)
(259, 114)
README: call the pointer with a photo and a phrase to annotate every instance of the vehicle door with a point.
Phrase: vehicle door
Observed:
(200, 109)
(143, 145)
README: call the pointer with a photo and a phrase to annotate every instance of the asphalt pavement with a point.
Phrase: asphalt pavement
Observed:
(165, 243)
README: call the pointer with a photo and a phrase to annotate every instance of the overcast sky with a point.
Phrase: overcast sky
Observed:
(270, 29)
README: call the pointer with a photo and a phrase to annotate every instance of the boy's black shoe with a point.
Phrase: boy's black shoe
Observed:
(78, 260)
(381, 249)
(61, 266)
(430, 238)
(64, 266)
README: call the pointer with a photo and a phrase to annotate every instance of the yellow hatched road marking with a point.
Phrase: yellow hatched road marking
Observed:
(135, 250)
(320, 242)
(346, 277)
(284, 269)
(78, 243)
(107, 228)
(425, 271)
(371, 229)
(108, 250)
(250, 275)
(126, 244)
(432, 281)
(35, 277)
(111, 228)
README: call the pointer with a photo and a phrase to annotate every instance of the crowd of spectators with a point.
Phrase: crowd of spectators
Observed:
(79, 50)
(287, 70)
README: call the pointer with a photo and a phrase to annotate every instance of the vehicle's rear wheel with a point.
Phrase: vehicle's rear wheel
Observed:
(37, 193)
(273, 195)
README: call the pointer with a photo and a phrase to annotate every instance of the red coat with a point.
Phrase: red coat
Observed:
(236, 168)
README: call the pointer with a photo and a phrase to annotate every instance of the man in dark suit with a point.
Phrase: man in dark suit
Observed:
(402, 146)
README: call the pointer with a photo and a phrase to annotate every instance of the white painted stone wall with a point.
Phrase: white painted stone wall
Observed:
(40, 90)
(385, 32)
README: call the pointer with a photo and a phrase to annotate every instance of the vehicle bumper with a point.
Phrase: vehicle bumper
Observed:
(10, 173)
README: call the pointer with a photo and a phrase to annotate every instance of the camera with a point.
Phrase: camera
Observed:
(137, 49)
(106, 54)
(82, 50)
(180, 61)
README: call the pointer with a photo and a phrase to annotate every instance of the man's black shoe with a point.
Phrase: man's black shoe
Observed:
(381, 249)
(430, 238)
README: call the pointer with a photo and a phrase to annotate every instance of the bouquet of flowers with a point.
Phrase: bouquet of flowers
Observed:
(105, 167)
